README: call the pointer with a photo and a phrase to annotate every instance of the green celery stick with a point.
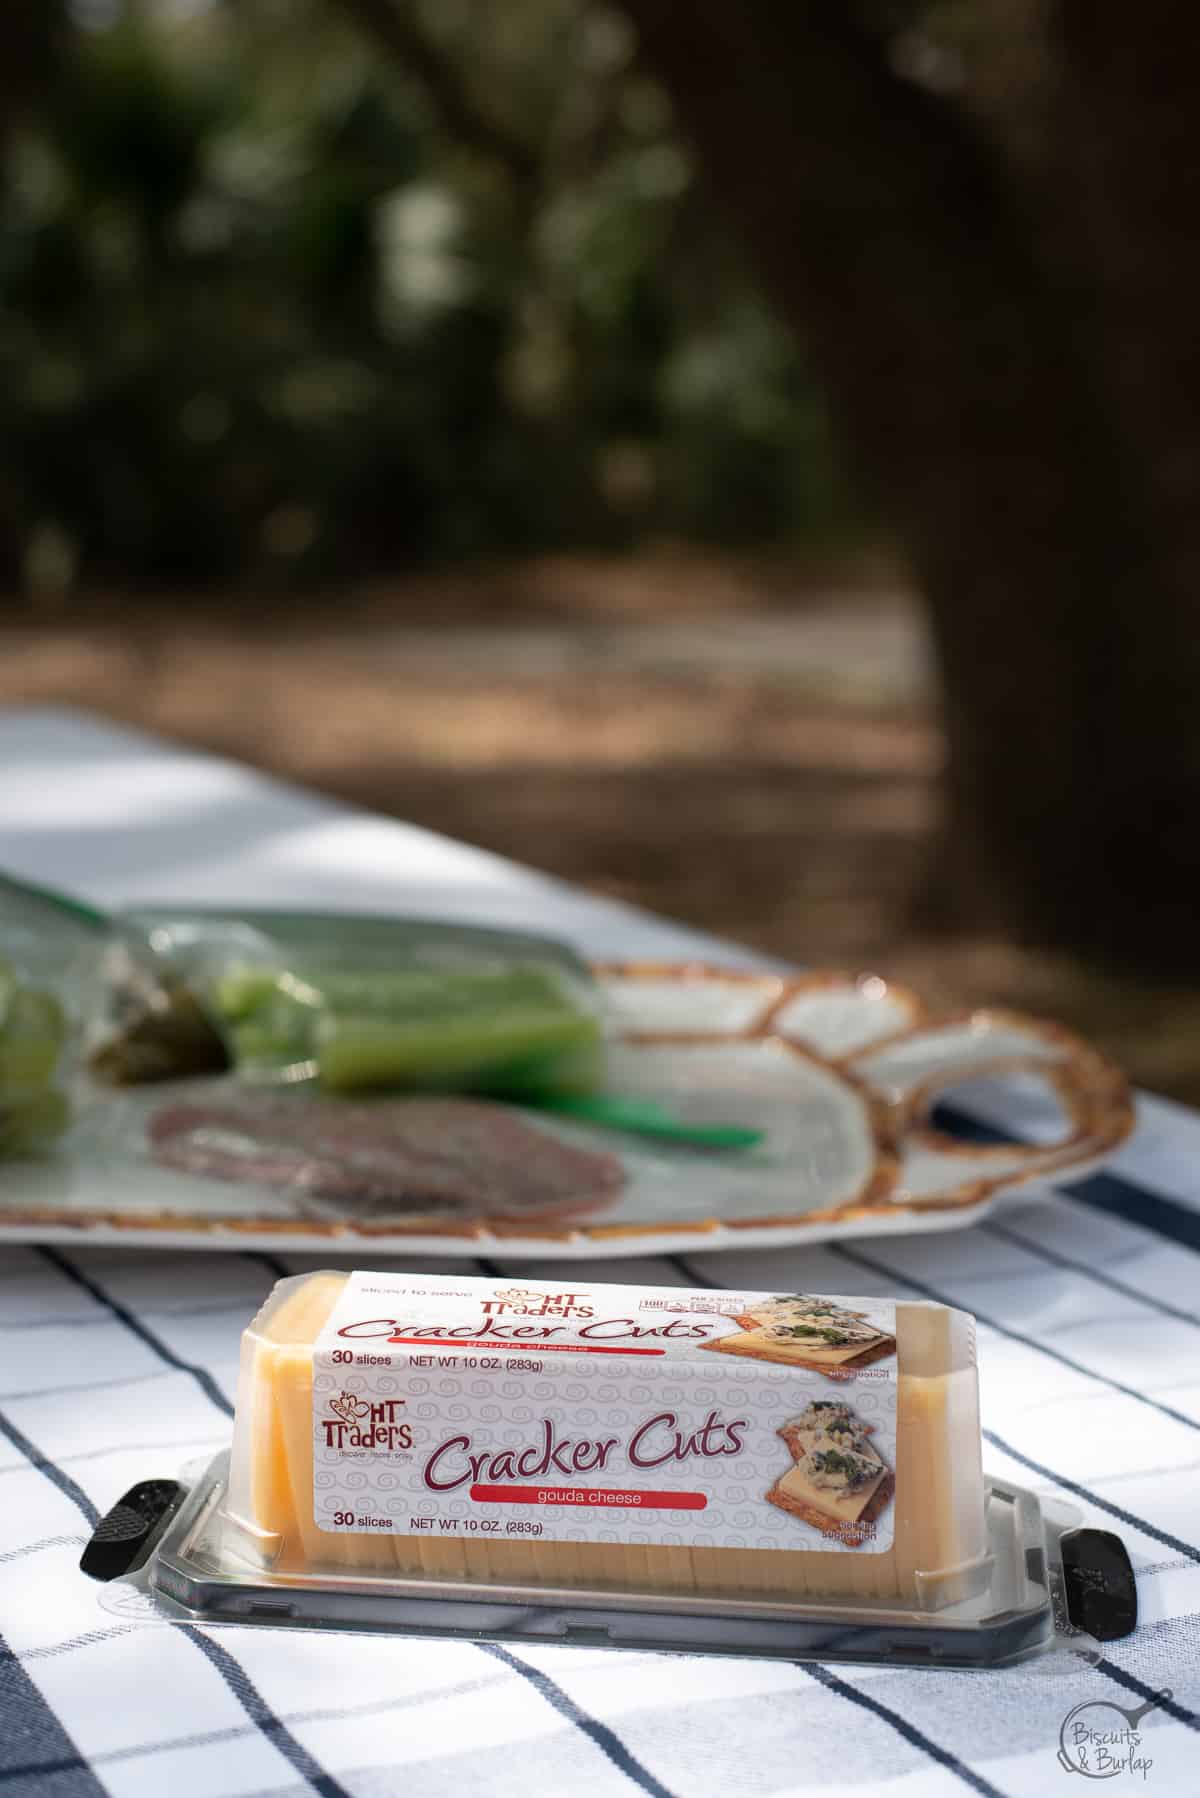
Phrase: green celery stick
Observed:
(505, 1030)
(275, 1036)
(417, 992)
(241, 992)
(245, 991)
(462, 1047)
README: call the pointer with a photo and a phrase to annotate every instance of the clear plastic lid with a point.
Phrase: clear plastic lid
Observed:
(936, 1553)
(960, 1571)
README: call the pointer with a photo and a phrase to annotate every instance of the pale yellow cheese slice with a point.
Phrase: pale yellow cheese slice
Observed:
(932, 1531)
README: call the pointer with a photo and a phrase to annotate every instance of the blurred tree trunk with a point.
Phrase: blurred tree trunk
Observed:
(1010, 346)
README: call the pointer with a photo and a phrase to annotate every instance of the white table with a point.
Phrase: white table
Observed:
(118, 1363)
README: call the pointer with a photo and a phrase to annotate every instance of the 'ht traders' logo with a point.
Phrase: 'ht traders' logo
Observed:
(525, 1303)
(356, 1424)
(1101, 1739)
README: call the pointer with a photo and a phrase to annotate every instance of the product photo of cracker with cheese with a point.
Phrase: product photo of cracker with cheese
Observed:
(798, 1330)
(839, 1482)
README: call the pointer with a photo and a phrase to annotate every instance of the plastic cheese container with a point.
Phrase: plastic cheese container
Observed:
(732, 1472)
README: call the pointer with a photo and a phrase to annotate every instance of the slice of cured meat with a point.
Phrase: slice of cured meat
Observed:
(463, 1158)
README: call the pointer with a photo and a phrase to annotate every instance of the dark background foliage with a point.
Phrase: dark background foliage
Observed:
(274, 307)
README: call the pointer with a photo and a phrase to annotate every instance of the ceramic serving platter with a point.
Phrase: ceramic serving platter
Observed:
(840, 1074)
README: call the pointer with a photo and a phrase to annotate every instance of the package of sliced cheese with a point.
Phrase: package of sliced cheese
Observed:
(731, 1472)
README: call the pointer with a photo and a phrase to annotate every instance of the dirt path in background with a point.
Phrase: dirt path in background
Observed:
(756, 767)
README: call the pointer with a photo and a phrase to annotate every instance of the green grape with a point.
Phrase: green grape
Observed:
(31, 1041)
(29, 1124)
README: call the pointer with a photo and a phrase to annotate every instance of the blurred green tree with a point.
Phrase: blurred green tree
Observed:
(295, 289)
(981, 218)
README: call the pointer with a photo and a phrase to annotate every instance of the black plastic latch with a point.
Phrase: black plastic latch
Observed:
(1098, 1584)
(123, 1534)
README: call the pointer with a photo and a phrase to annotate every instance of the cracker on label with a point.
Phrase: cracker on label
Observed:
(787, 1356)
(855, 1533)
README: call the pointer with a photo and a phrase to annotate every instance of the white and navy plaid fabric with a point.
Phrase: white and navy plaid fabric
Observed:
(117, 1364)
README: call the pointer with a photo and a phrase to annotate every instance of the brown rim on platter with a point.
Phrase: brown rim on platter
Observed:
(833, 979)
(1094, 1094)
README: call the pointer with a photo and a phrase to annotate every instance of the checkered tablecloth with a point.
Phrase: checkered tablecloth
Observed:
(117, 1364)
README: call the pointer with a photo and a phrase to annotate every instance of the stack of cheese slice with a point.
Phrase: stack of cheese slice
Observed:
(938, 1517)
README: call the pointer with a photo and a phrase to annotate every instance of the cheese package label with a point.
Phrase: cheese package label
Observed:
(508, 1410)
